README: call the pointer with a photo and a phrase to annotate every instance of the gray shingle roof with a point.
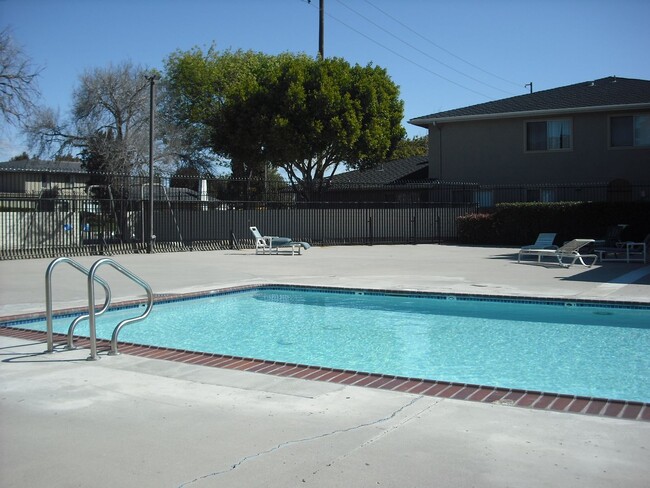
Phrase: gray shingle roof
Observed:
(40, 165)
(413, 168)
(606, 92)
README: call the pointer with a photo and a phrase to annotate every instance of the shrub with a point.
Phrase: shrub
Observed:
(476, 228)
(519, 223)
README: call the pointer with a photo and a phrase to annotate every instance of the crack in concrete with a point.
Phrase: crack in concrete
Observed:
(384, 433)
(308, 439)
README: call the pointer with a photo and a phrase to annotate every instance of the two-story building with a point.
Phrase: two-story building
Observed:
(591, 132)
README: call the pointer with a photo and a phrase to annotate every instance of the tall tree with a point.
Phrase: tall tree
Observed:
(198, 91)
(109, 120)
(306, 116)
(18, 88)
(332, 114)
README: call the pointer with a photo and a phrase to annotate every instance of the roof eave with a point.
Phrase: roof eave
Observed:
(427, 121)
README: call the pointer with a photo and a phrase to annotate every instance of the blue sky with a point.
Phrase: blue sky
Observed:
(443, 54)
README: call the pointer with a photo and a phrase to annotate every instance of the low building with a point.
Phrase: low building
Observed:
(391, 181)
(30, 177)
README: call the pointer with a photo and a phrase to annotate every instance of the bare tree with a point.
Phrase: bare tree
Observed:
(18, 86)
(109, 104)
(47, 134)
(114, 98)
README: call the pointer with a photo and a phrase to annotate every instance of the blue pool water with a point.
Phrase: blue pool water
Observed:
(595, 351)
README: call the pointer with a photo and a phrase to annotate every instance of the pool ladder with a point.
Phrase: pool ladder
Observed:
(92, 313)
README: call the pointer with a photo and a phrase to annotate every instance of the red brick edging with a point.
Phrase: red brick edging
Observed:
(484, 394)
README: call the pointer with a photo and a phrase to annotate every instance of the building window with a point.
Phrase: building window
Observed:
(629, 131)
(532, 195)
(547, 195)
(484, 198)
(548, 135)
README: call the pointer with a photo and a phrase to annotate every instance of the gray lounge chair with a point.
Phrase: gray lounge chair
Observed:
(612, 236)
(625, 251)
(275, 244)
(570, 250)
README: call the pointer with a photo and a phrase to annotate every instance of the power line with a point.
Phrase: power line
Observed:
(423, 52)
(404, 57)
(440, 47)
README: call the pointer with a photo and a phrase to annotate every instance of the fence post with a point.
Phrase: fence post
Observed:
(322, 223)
(414, 235)
(232, 227)
(438, 229)
(370, 231)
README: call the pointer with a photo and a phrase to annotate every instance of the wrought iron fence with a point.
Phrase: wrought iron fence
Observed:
(44, 216)
(28, 231)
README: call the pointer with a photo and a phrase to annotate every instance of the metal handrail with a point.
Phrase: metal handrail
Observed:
(73, 325)
(48, 300)
(91, 309)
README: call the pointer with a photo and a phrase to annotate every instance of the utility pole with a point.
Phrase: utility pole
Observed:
(321, 30)
(152, 237)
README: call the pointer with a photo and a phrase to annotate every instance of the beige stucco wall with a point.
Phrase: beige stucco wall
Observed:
(34, 182)
(493, 152)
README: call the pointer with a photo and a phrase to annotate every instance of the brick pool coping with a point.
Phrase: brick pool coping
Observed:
(484, 394)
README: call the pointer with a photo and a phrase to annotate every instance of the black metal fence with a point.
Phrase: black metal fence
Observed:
(487, 196)
(45, 216)
(30, 232)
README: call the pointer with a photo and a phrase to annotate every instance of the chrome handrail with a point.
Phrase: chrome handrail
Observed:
(75, 322)
(91, 300)
(48, 300)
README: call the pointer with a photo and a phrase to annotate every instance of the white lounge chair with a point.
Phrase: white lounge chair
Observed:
(275, 244)
(570, 250)
(544, 241)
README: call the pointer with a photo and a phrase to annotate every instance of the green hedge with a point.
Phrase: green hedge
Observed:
(519, 223)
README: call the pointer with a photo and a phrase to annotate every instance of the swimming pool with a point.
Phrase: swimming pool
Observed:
(572, 348)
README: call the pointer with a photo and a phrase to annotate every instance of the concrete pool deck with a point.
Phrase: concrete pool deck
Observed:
(131, 421)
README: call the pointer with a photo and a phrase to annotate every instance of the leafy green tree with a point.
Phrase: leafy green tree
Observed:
(109, 164)
(200, 92)
(105, 153)
(20, 157)
(305, 116)
(406, 148)
(66, 157)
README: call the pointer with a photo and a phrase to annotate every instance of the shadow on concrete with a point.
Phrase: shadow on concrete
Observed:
(615, 273)
(608, 272)
(36, 357)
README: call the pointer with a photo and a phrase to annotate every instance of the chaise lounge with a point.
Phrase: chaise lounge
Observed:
(612, 236)
(275, 244)
(544, 241)
(570, 250)
(625, 251)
